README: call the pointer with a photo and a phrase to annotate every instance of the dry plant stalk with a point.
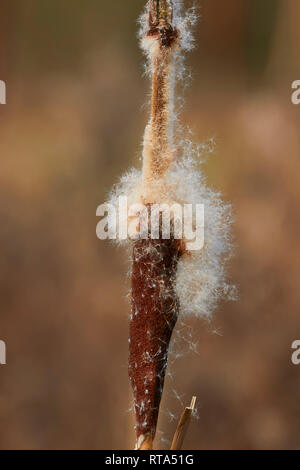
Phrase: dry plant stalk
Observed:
(183, 425)
(158, 146)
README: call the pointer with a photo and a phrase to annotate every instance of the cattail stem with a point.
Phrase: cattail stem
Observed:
(155, 304)
(183, 425)
(158, 141)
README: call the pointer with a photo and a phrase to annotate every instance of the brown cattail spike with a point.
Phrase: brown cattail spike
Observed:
(154, 315)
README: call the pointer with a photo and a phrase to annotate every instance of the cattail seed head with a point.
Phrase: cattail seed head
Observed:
(168, 280)
(155, 309)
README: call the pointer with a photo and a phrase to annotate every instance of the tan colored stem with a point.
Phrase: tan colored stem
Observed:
(182, 426)
(161, 11)
(158, 140)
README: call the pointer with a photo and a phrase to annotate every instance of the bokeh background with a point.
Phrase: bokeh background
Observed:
(73, 123)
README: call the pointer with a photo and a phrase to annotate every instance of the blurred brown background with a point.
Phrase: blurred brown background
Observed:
(73, 123)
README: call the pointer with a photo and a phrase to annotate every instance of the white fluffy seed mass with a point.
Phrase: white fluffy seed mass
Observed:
(201, 275)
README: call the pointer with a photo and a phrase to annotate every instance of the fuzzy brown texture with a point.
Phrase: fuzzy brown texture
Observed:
(154, 315)
(160, 115)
